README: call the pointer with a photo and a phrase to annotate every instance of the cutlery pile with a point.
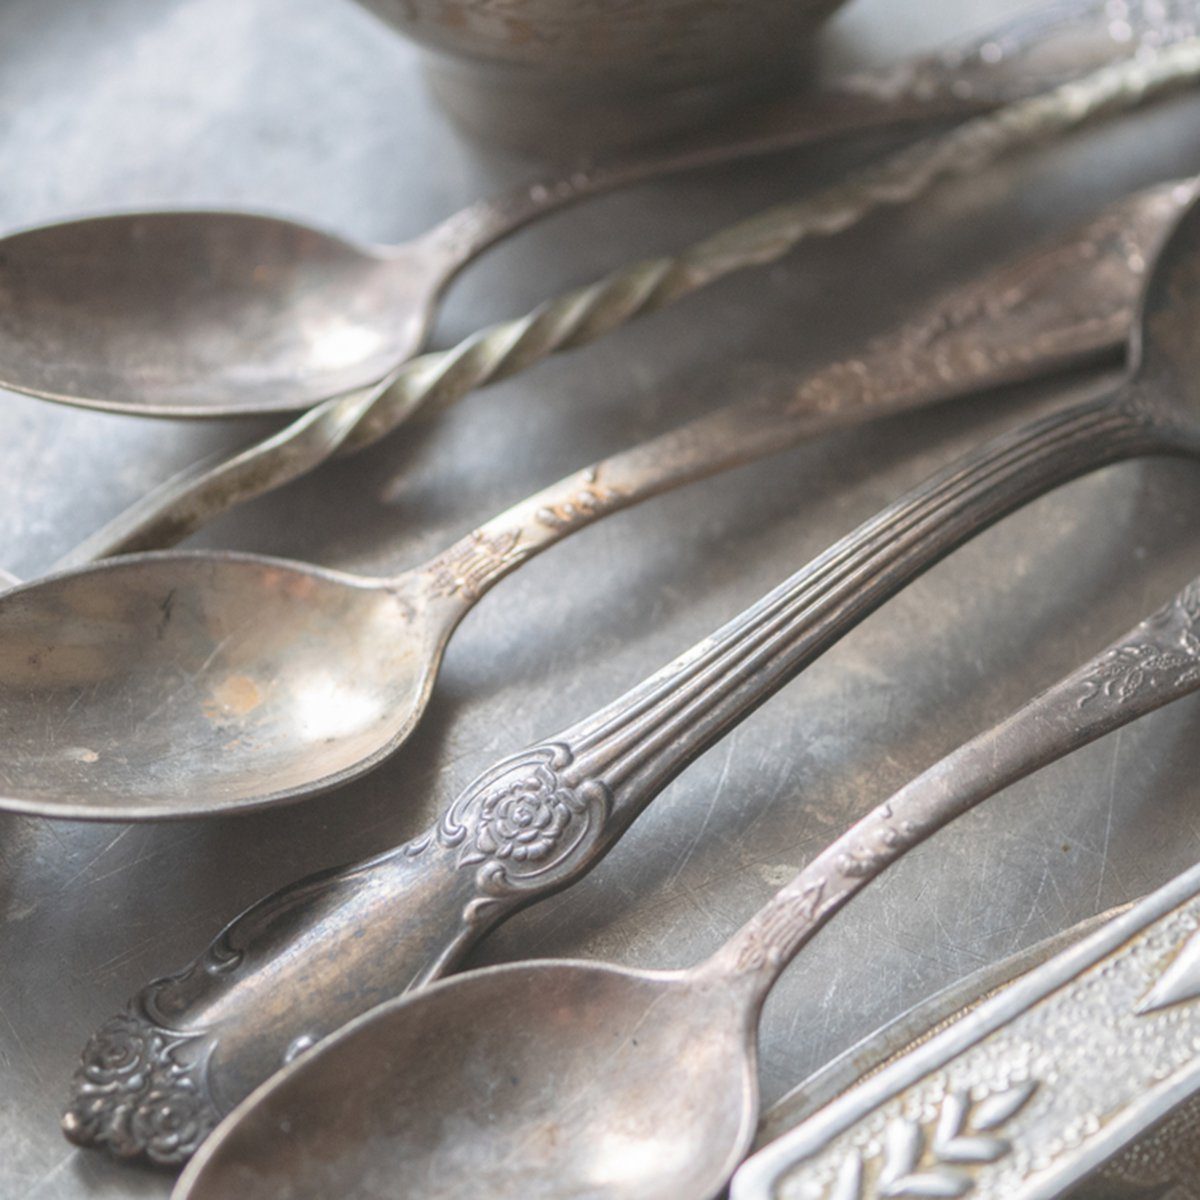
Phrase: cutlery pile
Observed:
(327, 1043)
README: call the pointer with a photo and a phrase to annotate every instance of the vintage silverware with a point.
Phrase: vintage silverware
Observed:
(566, 1078)
(306, 960)
(170, 512)
(192, 683)
(226, 313)
(1084, 1071)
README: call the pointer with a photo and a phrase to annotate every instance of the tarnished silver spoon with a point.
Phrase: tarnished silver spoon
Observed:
(224, 313)
(304, 961)
(572, 1080)
(168, 684)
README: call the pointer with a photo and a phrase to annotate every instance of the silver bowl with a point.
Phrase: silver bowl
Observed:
(577, 74)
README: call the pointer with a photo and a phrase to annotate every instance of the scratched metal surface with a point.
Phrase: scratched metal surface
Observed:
(307, 106)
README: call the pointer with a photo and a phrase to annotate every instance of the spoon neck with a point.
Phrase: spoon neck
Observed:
(758, 953)
(478, 561)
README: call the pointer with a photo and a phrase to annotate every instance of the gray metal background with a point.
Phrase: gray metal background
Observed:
(309, 107)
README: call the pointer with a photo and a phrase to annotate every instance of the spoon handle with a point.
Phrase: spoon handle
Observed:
(1052, 308)
(1031, 52)
(1154, 664)
(631, 749)
(180, 507)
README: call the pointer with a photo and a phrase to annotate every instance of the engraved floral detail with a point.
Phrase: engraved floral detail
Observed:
(524, 825)
(1064, 301)
(523, 820)
(137, 1095)
(771, 936)
(142, 1088)
(469, 567)
(1165, 647)
(919, 1162)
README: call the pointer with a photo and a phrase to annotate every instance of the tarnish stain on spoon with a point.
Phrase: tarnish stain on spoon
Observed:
(234, 696)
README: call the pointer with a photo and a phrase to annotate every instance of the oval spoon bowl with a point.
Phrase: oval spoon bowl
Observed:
(201, 314)
(518, 1112)
(121, 686)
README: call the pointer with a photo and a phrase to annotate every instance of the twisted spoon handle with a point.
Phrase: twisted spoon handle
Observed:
(171, 512)
(539, 820)
(1033, 51)
(1155, 663)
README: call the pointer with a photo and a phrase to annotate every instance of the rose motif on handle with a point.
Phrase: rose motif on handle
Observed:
(135, 1093)
(122, 1057)
(523, 823)
(170, 1121)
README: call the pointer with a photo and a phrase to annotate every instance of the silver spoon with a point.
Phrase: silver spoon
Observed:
(194, 313)
(178, 507)
(172, 684)
(304, 961)
(569, 1079)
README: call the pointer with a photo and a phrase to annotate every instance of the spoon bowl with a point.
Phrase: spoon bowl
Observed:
(203, 314)
(122, 688)
(543, 1080)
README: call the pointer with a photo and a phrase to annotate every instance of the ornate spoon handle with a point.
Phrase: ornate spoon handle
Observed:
(179, 507)
(636, 745)
(303, 962)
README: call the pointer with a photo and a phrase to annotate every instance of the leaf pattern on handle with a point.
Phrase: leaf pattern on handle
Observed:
(926, 1163)
(1164, 646)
